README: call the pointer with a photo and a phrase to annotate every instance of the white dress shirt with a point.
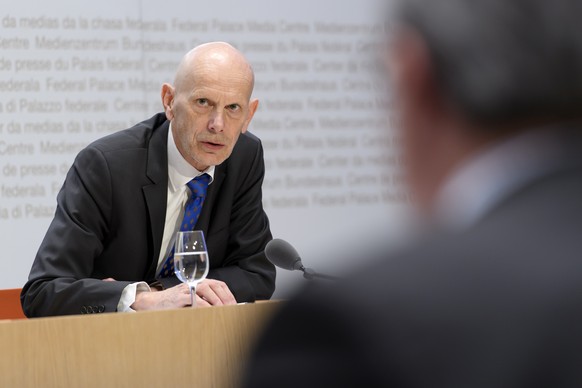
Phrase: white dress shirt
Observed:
(180, 172)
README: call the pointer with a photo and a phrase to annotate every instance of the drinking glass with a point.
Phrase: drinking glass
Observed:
(191, 259)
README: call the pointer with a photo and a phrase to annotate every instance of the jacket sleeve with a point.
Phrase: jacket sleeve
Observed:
(60, 280)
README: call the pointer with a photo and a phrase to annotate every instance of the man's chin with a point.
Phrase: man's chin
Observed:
(205, 163)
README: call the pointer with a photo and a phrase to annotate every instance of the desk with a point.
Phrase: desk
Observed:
(203, 347)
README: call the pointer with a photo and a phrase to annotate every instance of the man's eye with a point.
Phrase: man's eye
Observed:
(202, 102)
(233, 107)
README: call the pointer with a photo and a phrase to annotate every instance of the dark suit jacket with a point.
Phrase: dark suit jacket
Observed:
(110, 218)
(499, 305)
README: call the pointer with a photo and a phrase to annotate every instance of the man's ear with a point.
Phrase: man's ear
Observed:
(413, 70)
(253, 105)
(168, 100)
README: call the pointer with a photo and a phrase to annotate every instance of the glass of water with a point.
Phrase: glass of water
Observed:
(191, 259)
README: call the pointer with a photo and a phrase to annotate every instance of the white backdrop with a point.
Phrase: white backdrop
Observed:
(73, 71)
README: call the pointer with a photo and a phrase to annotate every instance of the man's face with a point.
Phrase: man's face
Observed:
(209, 111)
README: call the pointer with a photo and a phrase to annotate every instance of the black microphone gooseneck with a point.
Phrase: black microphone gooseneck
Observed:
(283, 255)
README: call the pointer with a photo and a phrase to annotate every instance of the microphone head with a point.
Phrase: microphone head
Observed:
(283, 255)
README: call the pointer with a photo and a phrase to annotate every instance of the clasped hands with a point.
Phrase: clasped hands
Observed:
(209, 292)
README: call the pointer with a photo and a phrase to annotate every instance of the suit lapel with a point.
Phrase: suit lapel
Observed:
(155, 194)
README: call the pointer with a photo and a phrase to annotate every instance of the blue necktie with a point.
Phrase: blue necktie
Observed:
(198, 187)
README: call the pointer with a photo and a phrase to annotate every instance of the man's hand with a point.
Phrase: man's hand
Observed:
(213, 293)
(175, 297)
(209, 292)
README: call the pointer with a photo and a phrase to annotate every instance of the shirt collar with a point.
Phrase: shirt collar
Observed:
(492, 175)
(180, 171)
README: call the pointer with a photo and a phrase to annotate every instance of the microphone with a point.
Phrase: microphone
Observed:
(283, 255)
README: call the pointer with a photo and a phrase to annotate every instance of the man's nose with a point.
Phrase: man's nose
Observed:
(216, 121)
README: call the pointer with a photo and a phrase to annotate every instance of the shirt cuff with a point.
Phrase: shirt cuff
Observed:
(128, 296)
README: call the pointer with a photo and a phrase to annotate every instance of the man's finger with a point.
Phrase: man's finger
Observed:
(201, 302)
(207, 293)
(223, 292)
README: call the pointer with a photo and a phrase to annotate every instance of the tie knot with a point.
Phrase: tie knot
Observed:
(199, 185)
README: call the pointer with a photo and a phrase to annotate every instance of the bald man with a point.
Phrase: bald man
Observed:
(123, 202)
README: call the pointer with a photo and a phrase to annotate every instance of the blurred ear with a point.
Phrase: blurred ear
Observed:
(168, 100)
(412, 70)
(423, 123)
(253, 105)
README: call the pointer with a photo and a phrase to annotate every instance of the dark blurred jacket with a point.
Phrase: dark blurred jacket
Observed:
(496, 305)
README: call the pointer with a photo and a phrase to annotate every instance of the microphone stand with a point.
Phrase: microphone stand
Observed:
(309, 274)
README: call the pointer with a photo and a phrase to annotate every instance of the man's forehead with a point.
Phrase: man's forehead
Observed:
(217, 91)
(204, 67)
(211, 80)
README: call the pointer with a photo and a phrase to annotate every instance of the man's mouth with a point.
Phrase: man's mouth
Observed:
(209, 145)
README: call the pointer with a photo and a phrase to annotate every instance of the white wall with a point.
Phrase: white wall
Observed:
(73, 71)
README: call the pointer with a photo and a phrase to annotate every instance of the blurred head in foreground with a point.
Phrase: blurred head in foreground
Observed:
(468, 73)
(489, 94)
